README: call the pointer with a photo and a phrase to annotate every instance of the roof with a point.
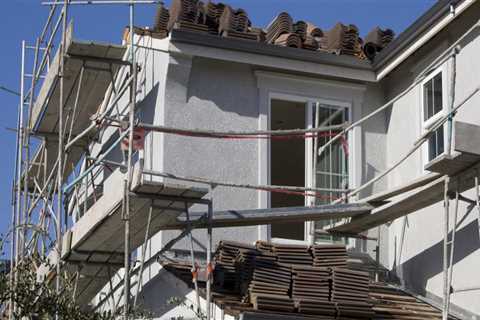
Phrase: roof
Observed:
(225, 22)
(282, 281)
(220, 26)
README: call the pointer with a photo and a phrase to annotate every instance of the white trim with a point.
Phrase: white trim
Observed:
(424, 39)
(264, 78)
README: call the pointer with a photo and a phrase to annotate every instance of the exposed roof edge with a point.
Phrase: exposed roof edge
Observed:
(266, 49)
(417, 34)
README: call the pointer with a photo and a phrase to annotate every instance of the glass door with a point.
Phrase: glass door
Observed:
(330, 167)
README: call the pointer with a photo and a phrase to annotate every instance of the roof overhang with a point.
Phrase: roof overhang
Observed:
(419, 33)
(270, 56)
(320, 63)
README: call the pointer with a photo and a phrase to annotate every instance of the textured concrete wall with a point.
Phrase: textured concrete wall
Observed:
(415, 242)
(220, 96)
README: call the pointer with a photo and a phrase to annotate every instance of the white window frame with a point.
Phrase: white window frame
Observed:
(427, 124)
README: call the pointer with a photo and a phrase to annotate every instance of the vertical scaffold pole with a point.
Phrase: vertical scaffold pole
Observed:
(445, 249)
(26, 215)
(14, 221)
(209, 256)
(452, 250)
(127, 179)
(192, 257)
(58, 244)
(20, 166)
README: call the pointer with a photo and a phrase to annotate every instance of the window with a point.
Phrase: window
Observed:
(332, 165)
(433, 100)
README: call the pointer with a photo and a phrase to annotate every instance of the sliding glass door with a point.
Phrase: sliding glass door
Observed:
(330, 164)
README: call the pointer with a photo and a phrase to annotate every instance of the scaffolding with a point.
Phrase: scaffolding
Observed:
(55, 189)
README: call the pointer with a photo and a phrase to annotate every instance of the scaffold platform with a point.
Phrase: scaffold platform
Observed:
(89, 68)
(93, 247)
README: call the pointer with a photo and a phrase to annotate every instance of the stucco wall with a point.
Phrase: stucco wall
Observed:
(221, 96)
(416, 241)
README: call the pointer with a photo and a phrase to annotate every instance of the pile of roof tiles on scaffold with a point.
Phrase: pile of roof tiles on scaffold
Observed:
(317, 281)
(224, 21)
(285, 277)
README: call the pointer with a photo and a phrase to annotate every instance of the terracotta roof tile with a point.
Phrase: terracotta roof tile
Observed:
(223, 20)
(282, 280)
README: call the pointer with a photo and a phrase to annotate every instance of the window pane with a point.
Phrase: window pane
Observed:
(436, 144)
(428, 100)
(332, 171)
(432, 97)
(440, 142)
(437, 94)
(432, 147)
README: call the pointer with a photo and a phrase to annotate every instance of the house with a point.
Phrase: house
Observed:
(206, 68)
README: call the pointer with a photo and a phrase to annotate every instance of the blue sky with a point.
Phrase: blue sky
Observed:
(23, 20)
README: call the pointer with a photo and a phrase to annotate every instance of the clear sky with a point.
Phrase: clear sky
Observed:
(23, 20)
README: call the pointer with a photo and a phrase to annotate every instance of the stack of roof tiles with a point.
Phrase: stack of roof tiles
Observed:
(342, 39)
(282, 277)
(162, 18)
(293, 254)
(376, 40)
(187, 14)
(349, 285)
(246, 263)
(226, 276)
(252, 278)
(235, 23)
(311, 283)
(350, 291)
(329, 255)
(272, 279)
(223, 20)
(264, 246)
(273, 302)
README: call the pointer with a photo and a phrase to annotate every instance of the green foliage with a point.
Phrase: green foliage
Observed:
(38, 299)
(35, 299)
(184, 302)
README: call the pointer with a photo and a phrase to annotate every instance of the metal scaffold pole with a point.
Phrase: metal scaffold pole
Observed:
(20, 165)
(209, 257)
(128, 175)
(60, 150)
(446, 289)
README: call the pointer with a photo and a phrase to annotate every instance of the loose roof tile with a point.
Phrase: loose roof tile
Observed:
(223, 20)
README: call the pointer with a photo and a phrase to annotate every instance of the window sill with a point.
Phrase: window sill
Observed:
(451, 164)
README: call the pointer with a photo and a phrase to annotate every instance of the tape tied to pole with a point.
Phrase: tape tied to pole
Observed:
(210, 269)
(138, 140)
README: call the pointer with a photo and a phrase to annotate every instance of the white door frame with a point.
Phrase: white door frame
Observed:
(310, 103)
(275, 85)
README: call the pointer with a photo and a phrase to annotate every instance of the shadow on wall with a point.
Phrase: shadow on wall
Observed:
(230, 86)
(159, 290)
(425, 265)
(370, 172)
(147, 107)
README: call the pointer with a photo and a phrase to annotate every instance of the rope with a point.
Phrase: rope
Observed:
(300, 191)
(233, 134)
